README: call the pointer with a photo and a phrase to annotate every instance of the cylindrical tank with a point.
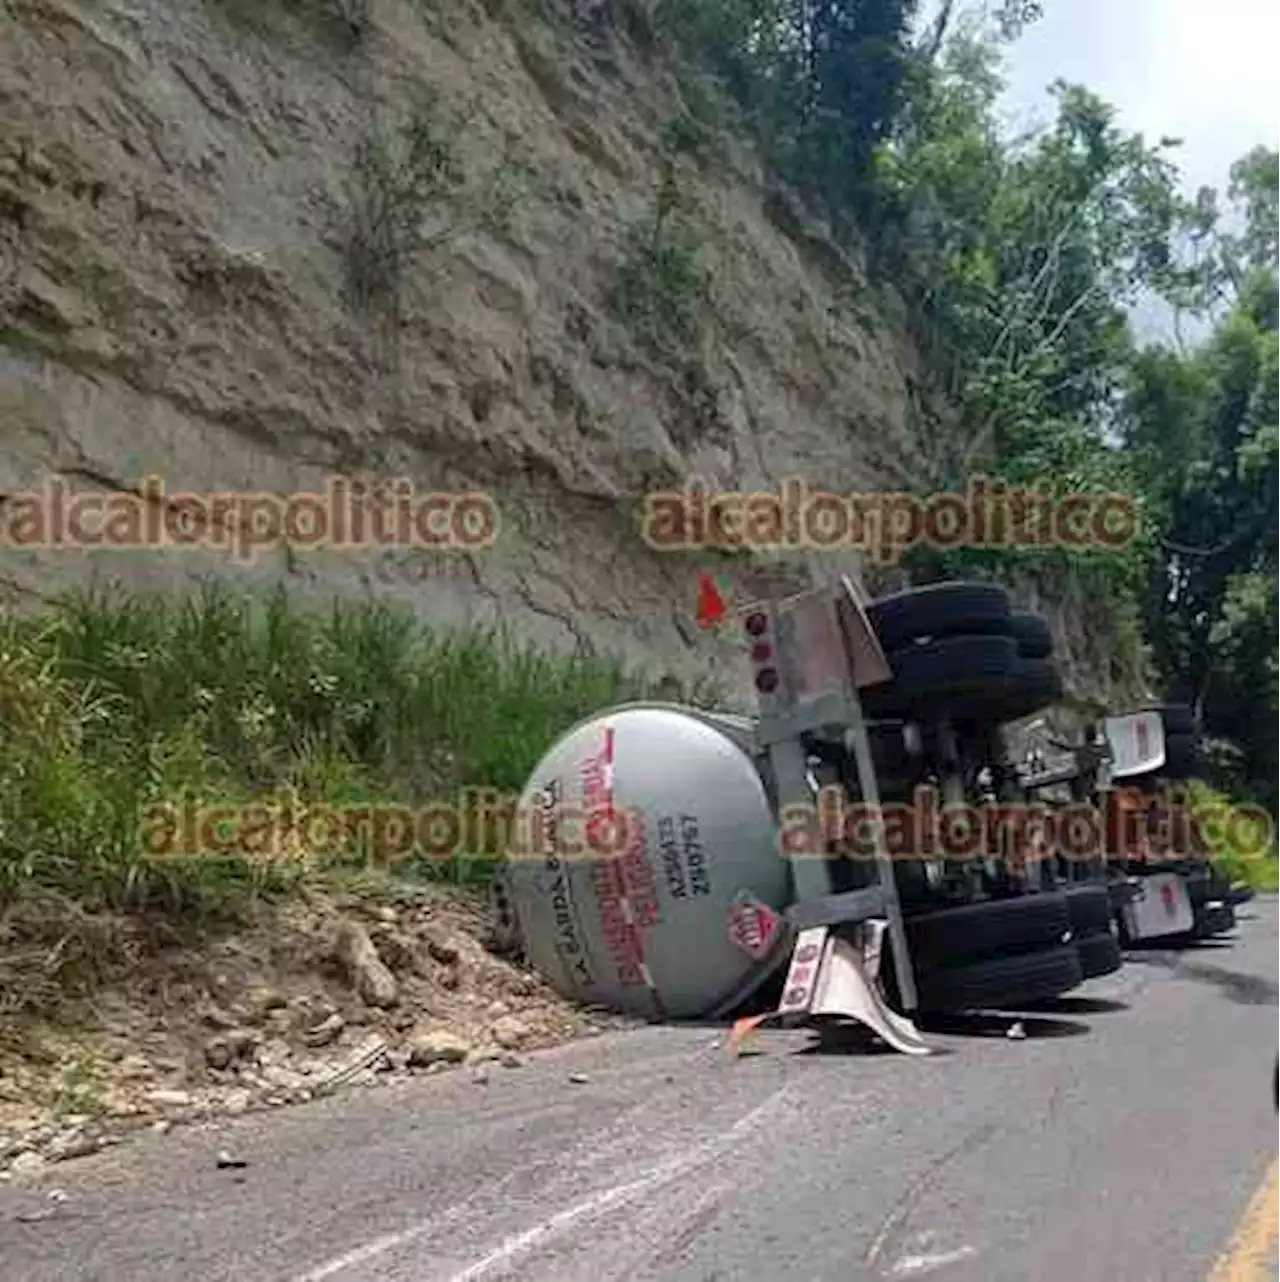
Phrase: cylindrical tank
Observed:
(646, 872)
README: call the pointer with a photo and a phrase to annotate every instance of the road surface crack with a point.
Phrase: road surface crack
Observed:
(893, 1223)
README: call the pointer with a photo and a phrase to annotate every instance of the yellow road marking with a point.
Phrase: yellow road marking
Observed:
(1246, 1258)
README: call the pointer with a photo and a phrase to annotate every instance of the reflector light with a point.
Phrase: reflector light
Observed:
(767, 681)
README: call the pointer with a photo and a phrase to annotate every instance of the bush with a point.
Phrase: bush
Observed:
(661, 287)
(404, 180)
(1256, 867)
(410, 193)
(114, 703)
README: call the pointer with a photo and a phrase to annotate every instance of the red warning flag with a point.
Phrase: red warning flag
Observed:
(712, 607)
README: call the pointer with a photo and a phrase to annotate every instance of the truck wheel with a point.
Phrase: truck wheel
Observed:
(889, 749)
(1200, 887)
(1178, 718)
(1183, 758)
(1099, 955)
(1213, 921)
(1001, 983)
(1033, 684)
(996, 928)
(940, 610)
(1089, 910)
(1031, 632)
(943, 673)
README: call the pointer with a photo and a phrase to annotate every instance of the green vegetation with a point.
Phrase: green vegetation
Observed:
(1202, 427)
(816, 84)
(661, 288)
(405, 180)
(411, 193)
(1238, 861)
(1020, 259)
(114, 703)
(17, 338)
(81, 1089)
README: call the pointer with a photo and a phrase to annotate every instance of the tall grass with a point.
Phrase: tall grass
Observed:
(110, 703)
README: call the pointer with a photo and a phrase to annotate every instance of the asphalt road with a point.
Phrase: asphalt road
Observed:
(1121, 1141)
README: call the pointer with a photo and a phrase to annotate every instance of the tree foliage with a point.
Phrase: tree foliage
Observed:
(1021, 260)
(818, 82)
(1203, 427)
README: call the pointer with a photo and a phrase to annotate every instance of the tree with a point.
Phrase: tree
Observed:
(819, 83)
(1203, 429)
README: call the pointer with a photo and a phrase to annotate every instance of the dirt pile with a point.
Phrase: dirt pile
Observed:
(329, 993)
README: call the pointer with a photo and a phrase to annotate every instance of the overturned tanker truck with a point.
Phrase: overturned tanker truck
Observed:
(680, 864)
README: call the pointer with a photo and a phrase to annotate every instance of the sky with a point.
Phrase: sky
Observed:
(1204, 71)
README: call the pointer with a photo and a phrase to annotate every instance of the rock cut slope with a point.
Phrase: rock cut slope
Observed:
(176, 210)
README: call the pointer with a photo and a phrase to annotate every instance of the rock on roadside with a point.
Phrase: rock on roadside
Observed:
(510, 1033)
(365, 970)
(438, 1047)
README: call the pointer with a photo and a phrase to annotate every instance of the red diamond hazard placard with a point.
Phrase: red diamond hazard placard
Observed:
(753, 926)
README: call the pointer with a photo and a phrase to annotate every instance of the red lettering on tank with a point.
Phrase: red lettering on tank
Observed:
(638, 879)
(618, 921)
(597, 778)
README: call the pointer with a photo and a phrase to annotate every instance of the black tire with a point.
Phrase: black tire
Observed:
(1178, 718)
(1099, 955)
(940, 610)
(996, 928)
(1204, 884)
(947, 673)
(1088, 909)
(1001, 983)
(1031, 632)
(889, 751)
(1213, 921)
(1182, 756)
(1033, 686)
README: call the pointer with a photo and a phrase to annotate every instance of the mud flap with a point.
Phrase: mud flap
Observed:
(1161, 907)
(834, 976)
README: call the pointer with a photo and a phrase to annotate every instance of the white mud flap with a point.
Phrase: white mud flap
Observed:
(836, 977)
(1161, 906)
(1136, 742)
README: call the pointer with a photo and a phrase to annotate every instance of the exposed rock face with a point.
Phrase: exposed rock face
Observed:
(174, 206)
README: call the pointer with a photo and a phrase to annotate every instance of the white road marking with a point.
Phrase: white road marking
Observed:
(662, 1174)
(915, 1264)
(519, 1243)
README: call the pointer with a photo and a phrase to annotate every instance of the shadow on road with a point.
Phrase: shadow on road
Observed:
(993, 1025)
(854, 1039)
(1248, 990)
(1138, 947)
(1077, 1006)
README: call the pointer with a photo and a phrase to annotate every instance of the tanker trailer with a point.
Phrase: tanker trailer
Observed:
(668, 862)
